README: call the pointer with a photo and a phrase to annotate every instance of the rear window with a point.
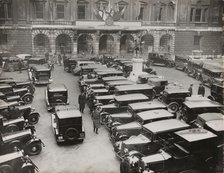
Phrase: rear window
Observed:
(70, 121)
(57, 94)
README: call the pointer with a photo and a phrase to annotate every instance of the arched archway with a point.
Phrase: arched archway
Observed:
(41, 43)
(106, 44)
(126, 44)
(166, 43)
(85, 44)
(148, 43)
(64, 44)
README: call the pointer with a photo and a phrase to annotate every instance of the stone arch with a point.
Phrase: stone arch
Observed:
(166, 42)
(106, 44)
(66, 32)
(85, 44)
(148, 43)
(63, 43)
(126, 44)
(41, 43)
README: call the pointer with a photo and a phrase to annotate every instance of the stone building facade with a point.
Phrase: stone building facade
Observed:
(93, 27)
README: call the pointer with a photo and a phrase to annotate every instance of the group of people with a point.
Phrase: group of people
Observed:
(54, 58)
(94, 108)
(201, 90)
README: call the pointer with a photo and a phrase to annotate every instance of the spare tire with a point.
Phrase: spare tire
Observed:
(71, 134)
(11, 128)
(6, 168)
(33, 118)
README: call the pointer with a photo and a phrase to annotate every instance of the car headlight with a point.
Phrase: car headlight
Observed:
(60, 137)
(82, 135)
(125, 150)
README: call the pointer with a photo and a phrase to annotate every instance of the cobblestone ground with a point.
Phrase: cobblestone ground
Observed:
(95, 154)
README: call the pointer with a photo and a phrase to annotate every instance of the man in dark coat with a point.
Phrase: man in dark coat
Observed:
(96, 119)
(201, 90)
(82, 102)
(190, 89)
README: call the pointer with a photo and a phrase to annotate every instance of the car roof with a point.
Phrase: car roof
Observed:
(156, 157)
(10, 156)
(211, 116)
(85, 62)
(175, 90)
(154, 114)
(127, 97)
(157, 79)
(133, 87)
(13, 135)
(56, 87)
(121, 115)
(217, 125)
(105, 97)
(5, 86)
(68, 113)
(149, 104)
(165, 125)
(92, 66)
(114, 78)
(109, 72)
(40, 68)
(137, 140)
(102, 90)
(131, 125)
(4, 104)
(120, 82)
(23, 55)
(196, 134)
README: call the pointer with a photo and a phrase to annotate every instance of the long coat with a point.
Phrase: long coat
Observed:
(96, 118)
(201, 90)
(82, 99)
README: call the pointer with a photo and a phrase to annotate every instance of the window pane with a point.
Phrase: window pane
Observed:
(81, 12)
(197, 40)
(2, 11)
(39, 11)
(198, 15)
(205, 14)
(9, 6)
(60, 11)
(3, 39)
(192, 13)
(141, 13)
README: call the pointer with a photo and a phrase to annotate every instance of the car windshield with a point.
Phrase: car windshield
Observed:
(57, 97)
(70, 121)
(43, 73)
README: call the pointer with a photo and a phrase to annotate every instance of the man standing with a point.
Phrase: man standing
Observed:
(201, 90)
(82, 102)
(20, 64)
(190, 89)
(96, 119)
(59, 59)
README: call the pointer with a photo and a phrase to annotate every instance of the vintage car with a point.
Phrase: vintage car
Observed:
(158, 84)
(174, 97)
(105, 99)
(24, 56)
(37, 60)
(194, 147)
(67, 124)
(17, 162)
(113, 78)
(23, 140)
(217, 93)
(12, 64)
(181, 62)
(19, 84)
(137, 88)
(25, 111)
(194, 68)
(40, 75)
(89, 69)
(134, 108)
(97, 86)
(196, 104)
(124, 131)
(112, 84)
(69, 64)
(121, 102)
(56, 94)
(76, 70)
(161, 59)
(158, 134)
(143, 78)
(11, 94)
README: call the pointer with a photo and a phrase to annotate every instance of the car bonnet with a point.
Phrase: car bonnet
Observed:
(132, 125)
(140, 139)
(156, 157)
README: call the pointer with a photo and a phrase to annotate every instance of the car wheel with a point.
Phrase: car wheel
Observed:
(27, 168)
(15, 145)
(173, 107)
(11, 128)
(33, 148)
(6, 169)
(71, 134)
(33, 118)
(28, 99)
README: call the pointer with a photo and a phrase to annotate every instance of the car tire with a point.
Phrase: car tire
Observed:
(33, 118)
(28, 99)
(11, 128)
(173, 107)
(33, 148)
(27, 168)
(6, 168)
(71, 134)
(15, 145)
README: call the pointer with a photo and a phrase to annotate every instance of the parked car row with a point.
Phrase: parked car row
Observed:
(156, 130)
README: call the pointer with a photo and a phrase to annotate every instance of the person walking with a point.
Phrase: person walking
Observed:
(96, 119)
(201, 90)
(20, 64)
(190, 89)
(82, 102)
(59, 59)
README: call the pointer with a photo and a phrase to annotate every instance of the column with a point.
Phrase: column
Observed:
(74, 47)
(52, 41)
(156, 42)
(96, 47)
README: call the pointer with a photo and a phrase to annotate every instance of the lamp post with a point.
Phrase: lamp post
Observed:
(138, 47)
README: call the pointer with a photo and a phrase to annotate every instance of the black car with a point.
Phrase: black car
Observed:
(15, 162)
(67, 124)
(217, 93)
(69, 64)
(23, 140)
(161, 59)
(11, 94)
(12, 110)
(56, 94)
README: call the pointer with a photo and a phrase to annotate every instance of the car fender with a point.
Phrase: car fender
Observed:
(26, 166)
(27, 94)
(33, 140)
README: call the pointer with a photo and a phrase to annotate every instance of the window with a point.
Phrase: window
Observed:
(2, 11)
(39, 7)
(60, 11)
(215, 15)
(3, 39)
(197, 40)
(199, 14)
(81, 11)
(41, 40)
(140, 17)
(120, 10)
(6, 10)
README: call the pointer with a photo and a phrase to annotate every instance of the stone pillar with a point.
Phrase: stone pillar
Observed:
(74, 47)
(156, 42)
(137, 69)
(96, 47)
(117, 47)
(52, 42)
